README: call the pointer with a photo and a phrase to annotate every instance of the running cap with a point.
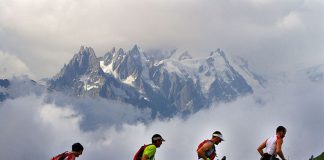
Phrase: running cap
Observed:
(157, 137)
(218, 134)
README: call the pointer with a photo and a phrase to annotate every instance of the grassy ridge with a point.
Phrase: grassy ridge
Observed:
(320, 157)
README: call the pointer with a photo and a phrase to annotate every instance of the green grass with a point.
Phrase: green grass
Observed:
(320, 157)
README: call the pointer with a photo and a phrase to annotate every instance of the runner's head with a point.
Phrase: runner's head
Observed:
(157, 140)
(281, 131)
(77, 148)
(217, 137)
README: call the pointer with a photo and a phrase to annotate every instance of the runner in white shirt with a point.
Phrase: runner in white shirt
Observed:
(273, 146)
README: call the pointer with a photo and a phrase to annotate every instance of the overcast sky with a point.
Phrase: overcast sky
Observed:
(38, 36)
(35, 128)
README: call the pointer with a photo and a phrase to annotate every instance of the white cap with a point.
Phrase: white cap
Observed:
(219, 135)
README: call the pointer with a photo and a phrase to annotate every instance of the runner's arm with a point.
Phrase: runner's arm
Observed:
(201, 152)
(279, 150)
(261, 147)
(144, 157)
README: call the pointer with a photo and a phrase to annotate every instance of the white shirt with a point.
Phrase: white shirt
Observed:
(271, 145)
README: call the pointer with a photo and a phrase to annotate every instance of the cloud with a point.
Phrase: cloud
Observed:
(48, 33)
(43, 129)
(11, 65)
(37, 127)
(101, 113)
(291, 21)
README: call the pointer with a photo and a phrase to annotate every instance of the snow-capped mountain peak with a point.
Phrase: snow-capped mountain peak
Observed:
(170, 83)
(185, 55)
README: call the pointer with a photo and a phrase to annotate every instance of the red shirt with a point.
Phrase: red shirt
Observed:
(68, 156)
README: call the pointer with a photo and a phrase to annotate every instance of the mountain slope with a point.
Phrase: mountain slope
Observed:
(320, 157)
(316, 73)
(4, 84)
(82, 76)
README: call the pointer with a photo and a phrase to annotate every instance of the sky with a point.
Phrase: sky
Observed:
(35, 127)
(39, 36)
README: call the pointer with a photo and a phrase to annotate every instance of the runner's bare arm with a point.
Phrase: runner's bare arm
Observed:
(144, 157)
(261, 147)
(279, 150)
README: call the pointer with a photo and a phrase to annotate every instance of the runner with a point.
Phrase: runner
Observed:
(77, 150)
(147, 152)
(206, 149)
(273, 146)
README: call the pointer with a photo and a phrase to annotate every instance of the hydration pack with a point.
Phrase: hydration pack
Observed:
(211, 155)
(61, 156)
(139, 153)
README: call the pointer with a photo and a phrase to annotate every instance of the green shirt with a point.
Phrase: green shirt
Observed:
(150, 151)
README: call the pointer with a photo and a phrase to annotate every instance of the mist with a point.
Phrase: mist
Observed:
(36, 127)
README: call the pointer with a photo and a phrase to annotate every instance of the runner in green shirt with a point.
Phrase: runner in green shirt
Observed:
(149, 151)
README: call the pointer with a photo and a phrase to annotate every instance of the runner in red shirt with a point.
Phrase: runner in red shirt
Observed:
(77, 150)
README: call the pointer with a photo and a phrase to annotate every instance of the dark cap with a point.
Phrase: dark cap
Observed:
(157, 137)
(77, 147)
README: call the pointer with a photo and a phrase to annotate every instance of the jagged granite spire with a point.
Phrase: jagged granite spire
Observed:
(85, 62)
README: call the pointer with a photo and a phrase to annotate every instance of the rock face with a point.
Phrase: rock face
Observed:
(316, 73)
(4, 84)
(167, 84)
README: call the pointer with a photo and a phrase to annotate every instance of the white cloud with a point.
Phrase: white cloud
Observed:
(11, 65)
(47, 33)
(291, 21)
(39, 129)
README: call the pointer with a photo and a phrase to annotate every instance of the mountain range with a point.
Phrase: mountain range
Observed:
(168, 83)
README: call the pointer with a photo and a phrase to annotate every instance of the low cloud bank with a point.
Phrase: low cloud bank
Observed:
(35, 128)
